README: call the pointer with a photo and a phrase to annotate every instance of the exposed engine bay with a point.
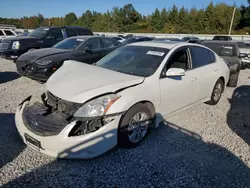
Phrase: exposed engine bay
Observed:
(48, 115)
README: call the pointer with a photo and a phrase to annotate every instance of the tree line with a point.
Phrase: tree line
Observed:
(213, 19)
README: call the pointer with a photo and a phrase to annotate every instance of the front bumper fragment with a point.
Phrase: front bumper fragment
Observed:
(63, 146)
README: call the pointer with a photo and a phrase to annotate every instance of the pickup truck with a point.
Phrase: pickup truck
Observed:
(42, 37)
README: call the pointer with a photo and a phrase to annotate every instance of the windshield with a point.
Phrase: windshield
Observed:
(39, 32)
(69, 44)
(135, 60)
(222, 49)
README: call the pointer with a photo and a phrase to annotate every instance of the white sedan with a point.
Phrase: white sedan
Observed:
(85, 110)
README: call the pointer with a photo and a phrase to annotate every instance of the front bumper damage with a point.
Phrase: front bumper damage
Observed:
(34, 71)
(55, 132)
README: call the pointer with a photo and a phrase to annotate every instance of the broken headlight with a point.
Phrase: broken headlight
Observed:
(97, 107)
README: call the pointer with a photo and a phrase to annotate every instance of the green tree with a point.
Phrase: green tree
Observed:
(183, 20)
(209, 19)
(70, 19)
(174, 18)
(86, 19)
(156, 21)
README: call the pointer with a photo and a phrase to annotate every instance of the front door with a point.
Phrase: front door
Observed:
(178, 92)
(95, 52)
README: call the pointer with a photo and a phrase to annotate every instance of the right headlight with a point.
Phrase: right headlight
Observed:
(43, 62)
(233, 67)
(97, 107)
(16, 45)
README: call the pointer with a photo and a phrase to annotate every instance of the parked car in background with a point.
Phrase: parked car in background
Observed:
(137, 39)
(223, 38)
(129, 36)
(40, 64)
(229, 51)
(86, 110)
(196, 41)
(186, 39)
(168, 39)
(245, 48)
(42, 37)
(7, 33)
(122, 36)
(120, 39)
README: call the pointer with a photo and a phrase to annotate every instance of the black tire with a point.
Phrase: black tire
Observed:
(243, 66)
(233, 79)
(123, 132)
(213, 100)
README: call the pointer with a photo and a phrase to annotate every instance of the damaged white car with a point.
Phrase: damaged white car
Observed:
(85, 110)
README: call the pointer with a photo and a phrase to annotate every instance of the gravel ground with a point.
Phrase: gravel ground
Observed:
(205, 146)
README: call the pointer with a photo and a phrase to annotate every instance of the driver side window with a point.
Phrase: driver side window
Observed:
(179, 60)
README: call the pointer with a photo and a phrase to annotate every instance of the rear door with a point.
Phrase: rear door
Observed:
(204, 63)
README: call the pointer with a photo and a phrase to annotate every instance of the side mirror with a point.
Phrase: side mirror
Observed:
(243, 55)
(51, 37)
(175, 72)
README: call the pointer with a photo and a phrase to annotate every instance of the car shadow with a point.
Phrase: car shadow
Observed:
(170, 157)
(8, 76)
(11, 143)
(238, 117)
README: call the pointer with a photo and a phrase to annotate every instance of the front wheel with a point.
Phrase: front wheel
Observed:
(217, 92)
(135, 125)
(233, 79)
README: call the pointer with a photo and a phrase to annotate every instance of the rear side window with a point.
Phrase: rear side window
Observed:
(1, 33)
(83, 32)
(57, 33)
(70, 33)
(201, 56)
(9, 33)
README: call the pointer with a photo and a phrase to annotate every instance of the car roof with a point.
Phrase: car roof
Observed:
(163, 44)
(70, 27)
(219, 42)
(86, 37)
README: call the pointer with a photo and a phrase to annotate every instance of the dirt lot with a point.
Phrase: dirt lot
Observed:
(204, 146)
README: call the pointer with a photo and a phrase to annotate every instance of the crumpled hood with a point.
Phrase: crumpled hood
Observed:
(40, 53)
(78, 82)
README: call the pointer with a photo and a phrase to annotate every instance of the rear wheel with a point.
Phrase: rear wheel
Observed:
(135, 125)
(233, 79)
(217, 92)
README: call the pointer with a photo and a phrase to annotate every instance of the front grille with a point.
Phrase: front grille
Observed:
(38, 121)
(4, 46)
(50, 117)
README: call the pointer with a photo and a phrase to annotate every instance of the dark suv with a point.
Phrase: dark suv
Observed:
(42, 37)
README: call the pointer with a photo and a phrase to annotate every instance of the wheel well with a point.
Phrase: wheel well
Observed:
(150, 105)
(223, 80)
(32, 48)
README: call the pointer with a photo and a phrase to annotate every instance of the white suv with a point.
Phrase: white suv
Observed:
(4, 33)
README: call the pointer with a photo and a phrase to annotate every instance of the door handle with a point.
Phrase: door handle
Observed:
(193, 79)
